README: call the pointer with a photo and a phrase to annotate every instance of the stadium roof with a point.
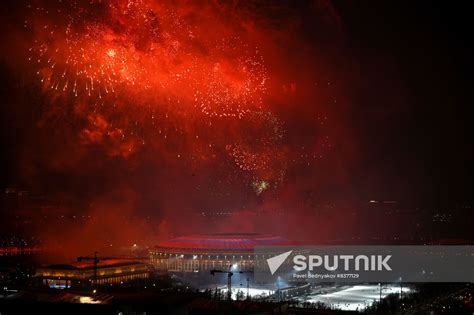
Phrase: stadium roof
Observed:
(227, 241)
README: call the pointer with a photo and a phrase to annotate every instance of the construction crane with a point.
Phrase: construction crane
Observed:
(229, 273)
(95, 259)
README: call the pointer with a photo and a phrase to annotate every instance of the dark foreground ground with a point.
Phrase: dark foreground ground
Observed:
(431, 299)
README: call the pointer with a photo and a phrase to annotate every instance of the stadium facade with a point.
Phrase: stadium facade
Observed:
(204, 252)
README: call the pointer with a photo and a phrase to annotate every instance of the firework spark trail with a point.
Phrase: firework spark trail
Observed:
(261, 157)
(136, 48)
(106, 52)
(135, 71)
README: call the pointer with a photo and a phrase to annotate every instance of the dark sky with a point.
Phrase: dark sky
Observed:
(405, 68)
(415, 106)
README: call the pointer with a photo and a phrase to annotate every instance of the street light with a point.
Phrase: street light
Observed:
(401, 287)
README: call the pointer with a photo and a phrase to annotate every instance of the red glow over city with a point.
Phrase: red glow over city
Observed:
(157, 100)
(168, 155)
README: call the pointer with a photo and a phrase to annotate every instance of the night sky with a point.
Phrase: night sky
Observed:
(415, 104)
(240, 107)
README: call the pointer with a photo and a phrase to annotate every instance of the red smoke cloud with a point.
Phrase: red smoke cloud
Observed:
(184, 108)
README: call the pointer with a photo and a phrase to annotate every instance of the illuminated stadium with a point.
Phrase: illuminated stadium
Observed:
(196, 253)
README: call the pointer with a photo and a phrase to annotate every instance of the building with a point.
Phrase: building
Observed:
(196, 253)
(110, 271)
